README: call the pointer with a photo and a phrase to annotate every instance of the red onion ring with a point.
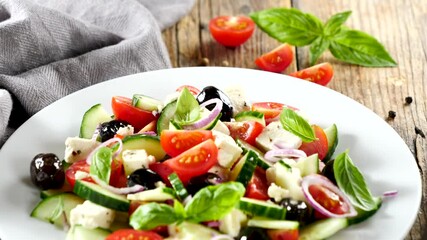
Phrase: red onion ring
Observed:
(120, 191)
(390, 193)
(105, 144)
(309, 180)
(277, 154)
(212, 224)
(208, 119)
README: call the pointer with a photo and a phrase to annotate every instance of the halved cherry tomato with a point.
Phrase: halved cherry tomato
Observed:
(321, 73)
(231, 31)
(319, 146)
(257, 188)
(132, 234)
(163, 170)
(276, 60)
(195, 161)
(247, 130)
(123, 110)
(175, 142)
(195, 91)
(271, 110)
(283, 234)
(328, 199)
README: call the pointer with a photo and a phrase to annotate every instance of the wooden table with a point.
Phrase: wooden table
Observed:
(399, 25)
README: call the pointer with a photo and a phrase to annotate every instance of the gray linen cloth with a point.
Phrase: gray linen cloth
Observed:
(51, 48)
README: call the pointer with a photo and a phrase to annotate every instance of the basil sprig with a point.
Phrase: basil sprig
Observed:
(292, 26)
(294, 123)
(101, 164)
(187, 108)
(210, 203)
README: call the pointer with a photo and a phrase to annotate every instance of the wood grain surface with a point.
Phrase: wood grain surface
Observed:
(400, 25)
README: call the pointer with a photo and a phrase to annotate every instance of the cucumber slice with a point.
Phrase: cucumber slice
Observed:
(91, 119)
(159, 194)
(261, 161)
(52, 192)
(308, 165)
(51, 208)
(273, 224)
(332, 136)
(145, 102)
(101, 196)
(151, 144)
(245, 168)
(78, 232)
(165, 116)
(323, 229)
(177, 185)
(250, 116)
(262, 208)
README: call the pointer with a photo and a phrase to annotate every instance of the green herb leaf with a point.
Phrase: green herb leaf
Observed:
(333, 25)
(57, 211)
(317, 48)
(214, 202)
(294, 123)
(289, 25)
(357, 47)
(101, 164)
(352, 183)
(187, 108)
(151, 215)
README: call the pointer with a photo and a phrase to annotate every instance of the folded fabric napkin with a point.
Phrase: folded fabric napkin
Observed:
(51, 48)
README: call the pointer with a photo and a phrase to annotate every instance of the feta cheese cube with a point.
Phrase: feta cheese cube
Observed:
(232, 222)
(78, 148)
(136, 159)
(277, 193)
(274, 133)
(228, 150)
(125, 131)
(91, 215)
(237, 96)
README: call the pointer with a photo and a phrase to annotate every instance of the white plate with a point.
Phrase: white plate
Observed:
(375, 147)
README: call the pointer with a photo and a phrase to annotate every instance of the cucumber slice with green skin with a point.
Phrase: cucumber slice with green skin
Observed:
(91, 119)
(323, 229)
(273, 224)
(245, 168)
(145, 102)
(262, 208)
(261, 161)
(159, 194)
(51, 209)
(250, 116)
(177, 185)
(78, 232)
(332, 136)
(97, 194)
(308, 165)
(151, 144)
(52, 192)
(165, 116)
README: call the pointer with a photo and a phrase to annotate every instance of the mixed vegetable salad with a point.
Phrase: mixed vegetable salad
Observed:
(200, 165)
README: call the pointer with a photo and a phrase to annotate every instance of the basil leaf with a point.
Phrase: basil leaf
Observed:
(187, 108)
(333, 25)
(289, 25)
(362, 215)
(357, 47)
(294, 123)
(101, 164)
(214, 202)
(351, 182)
(151, 215)
(317, 48)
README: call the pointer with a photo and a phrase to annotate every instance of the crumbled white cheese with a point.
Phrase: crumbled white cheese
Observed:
(232, 222)
(125, 131)
(91, 215)
(136, 159)
(228, 150)
(78, 148)
(277, 193)
(80, 175)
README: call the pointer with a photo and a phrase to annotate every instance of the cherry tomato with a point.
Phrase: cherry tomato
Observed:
(257, 188)
(231, 31)
(132, 234)
(248, 131)
(123, 110)
(175, 142)
(330, 200)
(195, 91)
(195, 161)
(163, 170)
(271, 110)
(321, 73)
(319, 146)
(276, 60)
(283, 234)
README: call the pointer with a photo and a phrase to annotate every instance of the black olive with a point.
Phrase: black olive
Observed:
(199, 182)
(144, 177)
(328, 171)
(211, 92)
(46, 171)
(296, 210)
(107, 130)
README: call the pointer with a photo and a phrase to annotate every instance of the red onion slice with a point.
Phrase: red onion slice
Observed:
(208, 119)
(222, 237)
(316, 179)
(120, 191)
(105, 144)
(277, 154)
(390, 193)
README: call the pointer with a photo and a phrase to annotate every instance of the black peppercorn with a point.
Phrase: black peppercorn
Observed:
(391, 114)
(408, 100)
